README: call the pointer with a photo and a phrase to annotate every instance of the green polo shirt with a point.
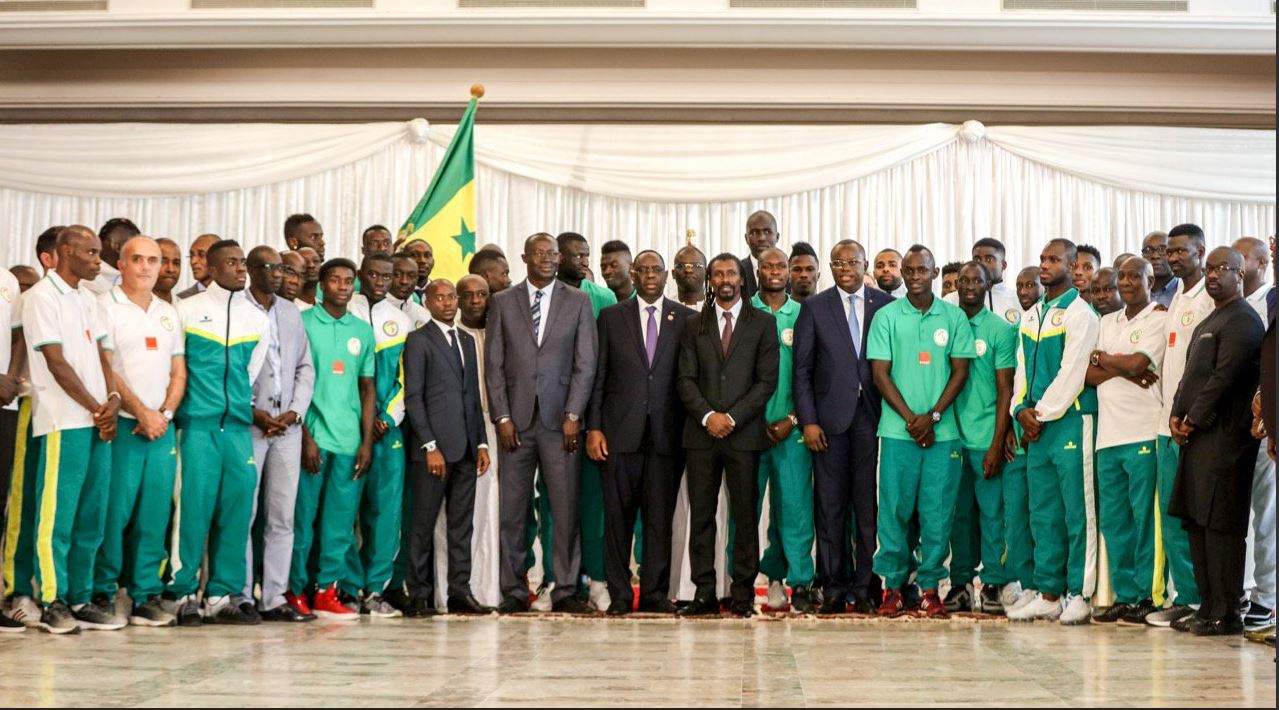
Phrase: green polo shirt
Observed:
(996, 348)
(342, 351)
(601, 297)
(919, 346)
(782, 403)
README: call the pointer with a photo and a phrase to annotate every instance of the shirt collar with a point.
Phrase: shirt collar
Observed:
(546, 290)
(789, 305)
(1121, 315)
(326, 317)
(860, 292)
(1173, 285)
(736, 310)
(59, 282)
(444, 327)
(248, 296)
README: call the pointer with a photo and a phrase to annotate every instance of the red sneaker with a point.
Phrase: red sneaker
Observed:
(328, 606)
(931, 606)
(298, 603)
(893, 605)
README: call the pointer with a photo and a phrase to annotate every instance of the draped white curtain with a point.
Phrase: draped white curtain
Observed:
(937, 184)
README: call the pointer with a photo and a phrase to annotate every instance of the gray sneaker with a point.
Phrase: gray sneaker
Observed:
(99, 615)
(57, 619)
(1165, 617)
(379, 608)
(230, 614)
(188, 612)
(152, 613)
(26, 610)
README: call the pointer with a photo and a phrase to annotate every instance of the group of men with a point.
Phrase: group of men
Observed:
(295, 426)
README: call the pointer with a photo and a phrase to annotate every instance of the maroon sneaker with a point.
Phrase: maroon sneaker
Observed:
(893, 606)
(931, 606)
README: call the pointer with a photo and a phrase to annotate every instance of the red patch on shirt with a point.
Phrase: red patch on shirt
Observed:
(1172, 339)
(152, 343)
(339, 367)
(925, 357)
(88, 336)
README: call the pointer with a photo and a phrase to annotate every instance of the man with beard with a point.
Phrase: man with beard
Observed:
(170, 269)
(489, 264)
(761, 234)
(302, 230)
(615, 269)
(1211, 420)
(424, 256)
(1130, 350)
(310, 292)
(1154, 249)
(805, 272)
(198, 256)
(1105, 291)
(292, 266)
(690, 276)
(74, 420)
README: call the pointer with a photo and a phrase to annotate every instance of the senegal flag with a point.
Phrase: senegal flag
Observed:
(445, 216)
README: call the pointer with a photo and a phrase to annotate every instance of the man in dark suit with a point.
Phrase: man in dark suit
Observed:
(539, 363)
(761, 235)
(448, 447)
(727, 372)
(1212, 420)
(634, 426)
(838, 407)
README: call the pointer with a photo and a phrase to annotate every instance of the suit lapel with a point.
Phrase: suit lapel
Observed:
(666, 335)
(526, 309)
(557, 307)
(632, 315)
(442, 344)
(836, 307)
(737, 327)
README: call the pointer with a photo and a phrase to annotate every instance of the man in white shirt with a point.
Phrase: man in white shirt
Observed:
(888, 273)
(75, 420)
(1001, 300)
(1259, 573)
(1188, 309)
(147, 356)
(1129, 351)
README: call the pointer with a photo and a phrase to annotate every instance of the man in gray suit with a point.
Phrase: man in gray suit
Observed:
(281, 396)
(540, 368)
(199, 266)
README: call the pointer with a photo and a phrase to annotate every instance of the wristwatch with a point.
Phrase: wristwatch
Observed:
(1095, 358)
(168, 416)
(794, 420)
(935, 416)
(429, 446)
(571, 416)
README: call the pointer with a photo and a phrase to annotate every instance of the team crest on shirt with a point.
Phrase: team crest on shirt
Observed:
(1188, 317)
(1059, 317)
(1135, 337)
(941, 337)
(1012, 315)
(353, 346)
(6, 295)
(166, 323)
(391, 328)
(981, 347)
(788, 337)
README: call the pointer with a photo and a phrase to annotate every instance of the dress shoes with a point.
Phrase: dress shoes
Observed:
(699, 607)
(468, 605)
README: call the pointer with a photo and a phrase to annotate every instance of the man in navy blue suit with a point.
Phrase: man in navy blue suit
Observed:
(838, 408)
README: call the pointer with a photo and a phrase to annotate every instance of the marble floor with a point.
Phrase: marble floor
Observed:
(533, 661)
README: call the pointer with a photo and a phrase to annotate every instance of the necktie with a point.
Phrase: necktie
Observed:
(650, 335)
(727, 336)
(457, 350)
(537, 318)
(854, 328)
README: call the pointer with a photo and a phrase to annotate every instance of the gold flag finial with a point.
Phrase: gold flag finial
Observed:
(690, 235)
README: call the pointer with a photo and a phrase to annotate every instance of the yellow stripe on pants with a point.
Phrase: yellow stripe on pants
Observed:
(18, 479)
(48, 510)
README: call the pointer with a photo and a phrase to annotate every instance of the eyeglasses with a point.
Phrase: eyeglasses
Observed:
(1151, 251)
(689, 268)
(542, 254)
(287, 270)
(846, 263)
(1222, 269)
(272, 268)
(647, 270)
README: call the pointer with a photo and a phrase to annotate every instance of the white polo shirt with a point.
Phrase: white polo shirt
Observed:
(54, 313)
(108, 278)
(1185, 314)
(1126, 413)
(143, 344)
(10, 318)
(1001, 300)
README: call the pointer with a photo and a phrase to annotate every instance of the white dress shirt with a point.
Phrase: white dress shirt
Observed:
(445, 328)
(643, 316)
(736, 310)
(860, 293)
(545, 307)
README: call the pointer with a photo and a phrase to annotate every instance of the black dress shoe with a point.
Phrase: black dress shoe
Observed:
(1188, 624)
(743, 610)
(699, 607)
(511, 605)
(420, 608)
(661, 606)
(618, 609)
(572, 605)
(286, 613)
(833, 604)
(801, 600)
(1232, 625)
(250, 611)
(468, 605)
(398, 598)
(863, 605)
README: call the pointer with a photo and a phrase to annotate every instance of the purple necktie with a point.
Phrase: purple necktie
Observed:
(650, 335)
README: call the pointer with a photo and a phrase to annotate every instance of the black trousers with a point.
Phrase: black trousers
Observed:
(647, 481)
(1219, 559)
(8, 442)
(429, 494)
(844, 481)
(707, 468)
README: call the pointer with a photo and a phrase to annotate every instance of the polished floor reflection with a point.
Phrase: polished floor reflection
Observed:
(640, 662)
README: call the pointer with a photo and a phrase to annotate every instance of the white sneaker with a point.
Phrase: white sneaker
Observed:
(1040, 608)
(1010, 595)
(777, 600)
(1077, 611)
(600, 598)
(1027, 596)
(26, 610)
(543, 601)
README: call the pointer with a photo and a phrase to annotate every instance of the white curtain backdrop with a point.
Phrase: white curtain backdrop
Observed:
(938, 184)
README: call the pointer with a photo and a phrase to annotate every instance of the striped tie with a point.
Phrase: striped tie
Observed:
(537, 318)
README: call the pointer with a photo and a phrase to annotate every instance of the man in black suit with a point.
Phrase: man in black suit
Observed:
(838, 407)
(634, 426)
(727, 372)
(761, 235)
(448, 448)
(1212, 421)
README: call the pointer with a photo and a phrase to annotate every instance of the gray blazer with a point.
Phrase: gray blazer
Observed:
(443, 401)
(556, 377)
(190, 291)
(298, 378)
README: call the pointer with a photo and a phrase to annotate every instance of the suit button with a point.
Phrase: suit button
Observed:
(650, 377)
(723, 377)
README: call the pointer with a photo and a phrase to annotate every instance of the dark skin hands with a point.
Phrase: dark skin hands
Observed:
(815, 438)
(779, 430)
(507, 437)
(571, 431)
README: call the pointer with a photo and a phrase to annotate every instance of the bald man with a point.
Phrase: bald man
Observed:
(1259, 575)
(148, 358)
(198, 256)
(761, 235)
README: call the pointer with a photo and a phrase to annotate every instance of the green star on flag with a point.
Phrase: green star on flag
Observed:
(465, 239)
